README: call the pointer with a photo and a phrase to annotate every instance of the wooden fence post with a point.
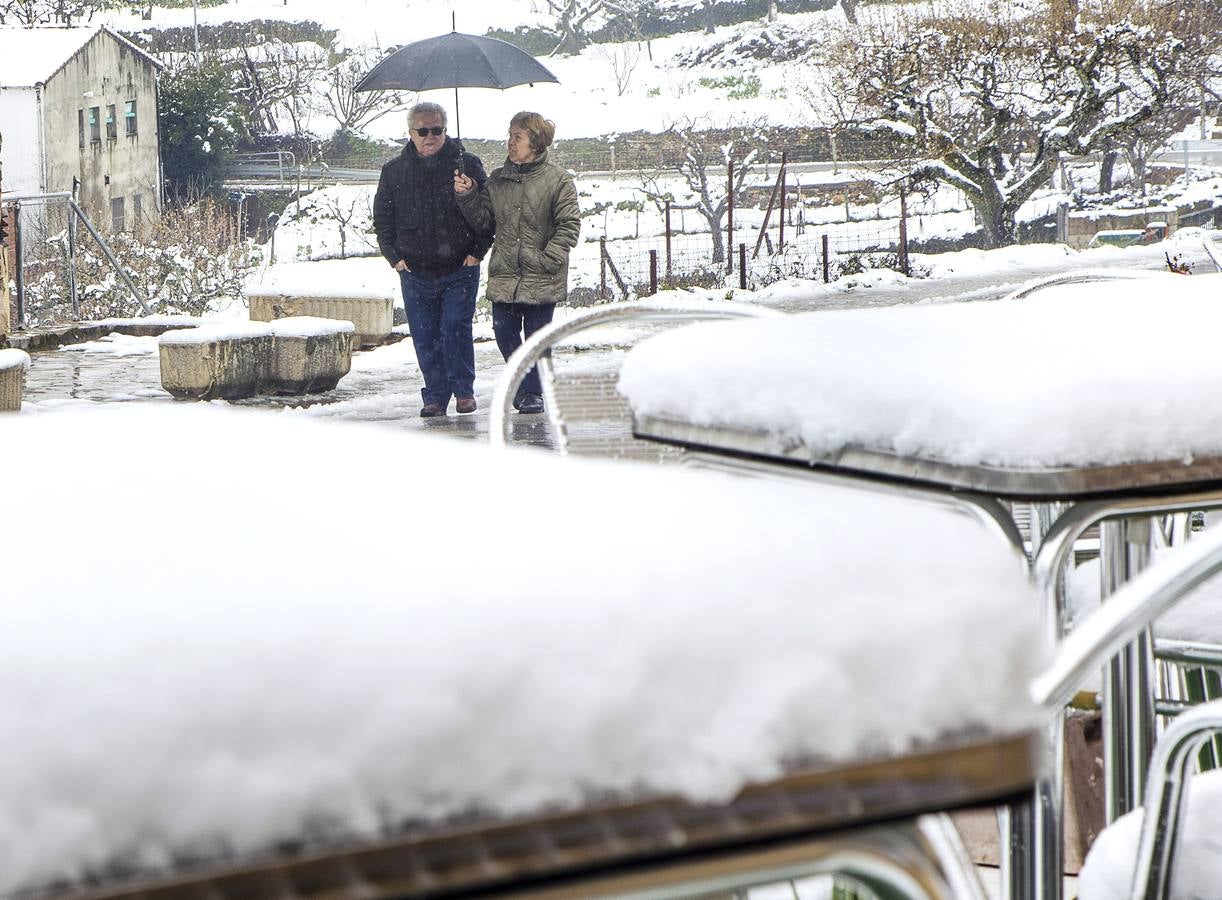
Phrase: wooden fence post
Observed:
(780, 244)
(668, 257)
(610, 264)
(827, 272)
(653, 272)
(768, 212)
(742, 266)
(730, 215)
(903, 231)
(602, 268)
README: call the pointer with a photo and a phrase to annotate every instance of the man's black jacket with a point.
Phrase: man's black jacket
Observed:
(414, 213)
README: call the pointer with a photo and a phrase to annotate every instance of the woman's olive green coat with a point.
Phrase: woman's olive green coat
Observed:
(537, 219)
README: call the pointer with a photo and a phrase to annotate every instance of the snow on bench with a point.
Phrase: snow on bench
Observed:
(267, 673)
(13, 366)
(291, 290)
(1081, 375)
(1108, 871)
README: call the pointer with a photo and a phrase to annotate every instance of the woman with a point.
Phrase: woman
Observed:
(533, 205)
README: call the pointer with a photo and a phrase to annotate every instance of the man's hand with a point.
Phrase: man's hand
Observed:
(471, 261)
(401, 266)
(462, 183)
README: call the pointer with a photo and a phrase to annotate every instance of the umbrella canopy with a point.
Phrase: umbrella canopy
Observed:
(455, 60)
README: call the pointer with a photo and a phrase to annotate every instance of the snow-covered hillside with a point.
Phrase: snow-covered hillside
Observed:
(607, 88)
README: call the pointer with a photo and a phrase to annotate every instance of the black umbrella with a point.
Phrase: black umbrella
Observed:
(455, 60)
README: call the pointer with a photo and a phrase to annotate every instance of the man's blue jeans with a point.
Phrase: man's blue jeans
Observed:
(439, 314)
(510, 323)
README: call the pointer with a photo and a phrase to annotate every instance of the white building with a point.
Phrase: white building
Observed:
(81, 103)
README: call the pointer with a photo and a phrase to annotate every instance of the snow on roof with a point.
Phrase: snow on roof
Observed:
(30, 56)
(1085, 374)
(236, 656)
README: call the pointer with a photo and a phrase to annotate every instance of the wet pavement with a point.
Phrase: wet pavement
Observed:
(383, 386)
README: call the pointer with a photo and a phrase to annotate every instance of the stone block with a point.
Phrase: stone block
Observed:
(309, 355)
(227, 361)
(372, 316)
(13, 366)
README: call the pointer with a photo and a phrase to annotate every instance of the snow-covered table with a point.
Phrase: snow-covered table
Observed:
(1101, 394)
(234, 660)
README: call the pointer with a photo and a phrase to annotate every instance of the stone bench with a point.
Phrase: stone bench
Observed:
(291, 356)
(228, 361)
(13, 366)
(371, 314)
(309, 355)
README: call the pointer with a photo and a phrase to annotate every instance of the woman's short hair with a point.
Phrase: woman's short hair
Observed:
(426, 108)
(539, 131)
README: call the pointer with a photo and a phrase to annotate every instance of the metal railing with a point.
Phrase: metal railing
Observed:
(76, 215)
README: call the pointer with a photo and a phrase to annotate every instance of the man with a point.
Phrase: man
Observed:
(437, 254)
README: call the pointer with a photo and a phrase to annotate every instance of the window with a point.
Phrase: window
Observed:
(80, 127)
(116, 214)
(129, 116)
(111, 132)
(95, 126)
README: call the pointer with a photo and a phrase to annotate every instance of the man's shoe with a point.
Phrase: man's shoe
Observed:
(464, 405)
(431, 411)
(531, 404)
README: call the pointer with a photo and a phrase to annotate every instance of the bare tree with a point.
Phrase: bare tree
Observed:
(987, 97)
(29, 13)
(350, 109)
(278, 77)
(622, 59)
(703, 171)
(572, 18)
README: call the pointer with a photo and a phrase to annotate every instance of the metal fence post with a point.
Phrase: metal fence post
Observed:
(19, 250)
(653, 272)
(742, 265)
(827, 272)
(76, 300)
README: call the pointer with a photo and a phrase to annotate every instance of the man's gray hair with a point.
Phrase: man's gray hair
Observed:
(426, 109)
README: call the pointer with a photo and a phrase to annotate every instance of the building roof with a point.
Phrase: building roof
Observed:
(30, 56)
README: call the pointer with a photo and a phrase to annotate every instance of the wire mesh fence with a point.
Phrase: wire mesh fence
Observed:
(63, 267)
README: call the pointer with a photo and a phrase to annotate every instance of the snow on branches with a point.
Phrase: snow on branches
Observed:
(988, 97)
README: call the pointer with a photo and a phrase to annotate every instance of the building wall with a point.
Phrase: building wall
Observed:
(111, 165)
(19, 125)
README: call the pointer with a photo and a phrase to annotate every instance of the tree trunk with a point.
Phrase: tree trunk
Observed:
(997, 220)
(708, 16)
(719, 241)
(850, 10)
(1107, 169)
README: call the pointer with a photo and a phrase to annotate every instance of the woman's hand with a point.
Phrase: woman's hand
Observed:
(462, 183)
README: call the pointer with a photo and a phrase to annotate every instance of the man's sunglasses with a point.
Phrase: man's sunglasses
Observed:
(435, 131)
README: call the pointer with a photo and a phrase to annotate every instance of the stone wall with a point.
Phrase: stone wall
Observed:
(105, 73)
(1083, 225)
